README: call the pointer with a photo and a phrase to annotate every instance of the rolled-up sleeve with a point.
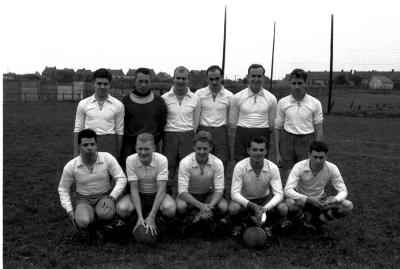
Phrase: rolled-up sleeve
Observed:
(162, 169)
(219, 176)
(183, 178)
(318, 114)
(280, 116)
(272, 112)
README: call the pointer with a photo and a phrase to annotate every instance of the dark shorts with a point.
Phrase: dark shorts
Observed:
(272, 215)
(90, 200)
(221, 141)
(147, 201)
(243, 135)
(203, 197)
(176, 146)
(107, 143)
(294, 148)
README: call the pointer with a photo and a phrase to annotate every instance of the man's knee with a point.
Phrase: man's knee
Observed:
(222, 207)
(181, 206)
(282, 209)
(168, 207)
(346, 207)
(233, 208)
(124, 207)
(291, 204)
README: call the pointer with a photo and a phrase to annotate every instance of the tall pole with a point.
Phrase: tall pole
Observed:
(272, 61)
(224, 45)
(330, 70)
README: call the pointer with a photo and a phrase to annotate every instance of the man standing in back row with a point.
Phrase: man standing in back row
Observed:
(252, 111)
(145, 112)
(215, 102)
(183, 115)
(102, 113)
(300, 117)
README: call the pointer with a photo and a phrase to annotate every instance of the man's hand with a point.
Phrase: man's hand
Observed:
(331, 200)
(315, 202)
(71, 216)
(258, 211)
(139, 222)
(205, 213)
(108, 205)
(150, 224)
(279, 160)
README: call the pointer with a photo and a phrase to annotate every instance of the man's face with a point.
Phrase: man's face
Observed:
(214, 80)
(317, 159)
(257, 151)
(88, 147)
(142, 83)
(298, 86)
(181, 80)
(256, 78)
(145, 151)
(101, 87)
(202, 149)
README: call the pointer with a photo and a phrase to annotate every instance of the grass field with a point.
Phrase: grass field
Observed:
(38, 143)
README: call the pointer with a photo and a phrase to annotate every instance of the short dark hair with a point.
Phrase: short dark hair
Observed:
(214, 68)
(298, 73)
(86, 133)
(319, 146)
(203, 136)
(181, 69)
(258, 140)
(254, 66)
(143, 70)
(102, 73)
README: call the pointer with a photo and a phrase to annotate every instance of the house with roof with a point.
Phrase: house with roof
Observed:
(117, 73)
(83, 75)
(49, 73)
(366, 76)
(380, 82)
(130, 74)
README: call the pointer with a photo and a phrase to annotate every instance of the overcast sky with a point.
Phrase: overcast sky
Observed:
(164, 34)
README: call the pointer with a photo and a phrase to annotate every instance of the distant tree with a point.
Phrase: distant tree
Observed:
(356, 79)
(340, 79)
(163, 76)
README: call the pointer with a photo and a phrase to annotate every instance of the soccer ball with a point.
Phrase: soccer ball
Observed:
(142, 237)
(254, 237)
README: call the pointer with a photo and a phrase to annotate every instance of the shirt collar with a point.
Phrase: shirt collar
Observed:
(221, 92)
(171, 92)
(99, 159)
(293, 100)
(251, 93)
(108, 99)
(265, 167)
(196, 164)
(308, 168)
(151, 164)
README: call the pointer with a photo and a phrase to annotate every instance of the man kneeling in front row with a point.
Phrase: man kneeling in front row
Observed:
(305, 190)
(91, 172)
(251, 182)
(147, 173)
(201, 181)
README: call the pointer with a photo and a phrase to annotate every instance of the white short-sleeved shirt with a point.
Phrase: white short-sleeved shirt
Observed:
(92, 182)
(147, 176)
(107, 120)
(298, 117)
(214, 111)
(182, 116)
(253, 110)
(247, 186)
(191, 179)
(301, 182)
